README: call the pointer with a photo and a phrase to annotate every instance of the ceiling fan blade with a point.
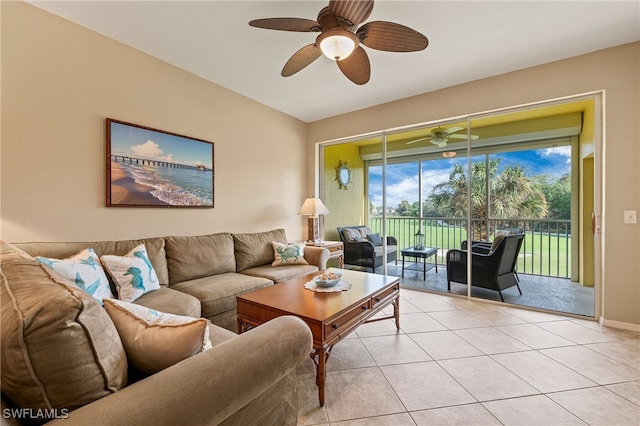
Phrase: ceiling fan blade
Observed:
(391, 37)
(458, 136)
(286, 24)
(356, 67)
(418, 140)
(301, 59)
(355, 12)
(454, 129)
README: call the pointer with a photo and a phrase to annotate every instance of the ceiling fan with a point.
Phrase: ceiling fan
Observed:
(339, 39)
(440, 136)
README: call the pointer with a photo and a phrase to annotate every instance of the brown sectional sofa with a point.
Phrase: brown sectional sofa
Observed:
(243, 379)
(200, 275)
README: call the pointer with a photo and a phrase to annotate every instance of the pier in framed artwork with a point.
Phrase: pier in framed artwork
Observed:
(153, 168)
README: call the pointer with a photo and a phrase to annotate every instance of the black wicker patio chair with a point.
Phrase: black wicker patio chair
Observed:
(493, 270)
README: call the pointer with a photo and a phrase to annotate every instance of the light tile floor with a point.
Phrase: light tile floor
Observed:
(459, 362)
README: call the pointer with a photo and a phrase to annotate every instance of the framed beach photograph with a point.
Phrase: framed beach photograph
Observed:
(152, 168)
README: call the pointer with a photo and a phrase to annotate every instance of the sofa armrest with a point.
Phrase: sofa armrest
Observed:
(392, 241)
(317, 256)
(209, 387)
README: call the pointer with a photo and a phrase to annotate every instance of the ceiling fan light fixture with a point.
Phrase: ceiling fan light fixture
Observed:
(449, 154)
(337, 44)
(440, 141)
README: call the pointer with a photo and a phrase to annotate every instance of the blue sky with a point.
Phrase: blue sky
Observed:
(143, 143)
(402, 179)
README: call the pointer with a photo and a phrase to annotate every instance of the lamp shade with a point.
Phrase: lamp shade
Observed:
(313, 207)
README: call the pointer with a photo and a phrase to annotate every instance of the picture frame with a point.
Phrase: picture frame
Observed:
(148, 167)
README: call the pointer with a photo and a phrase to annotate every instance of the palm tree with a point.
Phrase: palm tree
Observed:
(512, 194)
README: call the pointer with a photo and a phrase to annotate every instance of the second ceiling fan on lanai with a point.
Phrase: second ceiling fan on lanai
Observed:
(340, 40)
(440, 136)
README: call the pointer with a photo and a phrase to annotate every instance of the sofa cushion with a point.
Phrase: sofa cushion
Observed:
(133, 273)
(59, 348)
(219, 335)
(82, 270)
(364, 231)
(156, 340)
(168, 300)
(288, 254)
(280, 273)
(496, 241)
(195, 257)
(351, 235)
(217, 293)
(155, 250)
(375, 239)
(379, 250)
(255, 249)
(355, 234)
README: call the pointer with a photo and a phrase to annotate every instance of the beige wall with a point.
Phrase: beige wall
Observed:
(59, 83)
(615, 70)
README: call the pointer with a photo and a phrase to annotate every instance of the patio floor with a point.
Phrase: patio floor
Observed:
(553, 294)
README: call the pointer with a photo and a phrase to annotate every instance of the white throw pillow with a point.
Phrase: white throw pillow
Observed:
(497, 240)
(133, 273)
(156, 340)
(363, 231)
(292, 254)
(82, 270)
(351, 235)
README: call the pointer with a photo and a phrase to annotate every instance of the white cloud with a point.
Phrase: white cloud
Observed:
(150, 149)
(407, 188)
(563, 151)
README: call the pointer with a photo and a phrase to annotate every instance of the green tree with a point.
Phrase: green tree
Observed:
(557, 191)
(404, 208)
(415, 209)
(430, 210)
(512, 194)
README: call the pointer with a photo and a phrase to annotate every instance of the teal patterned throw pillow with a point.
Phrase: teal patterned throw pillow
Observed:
(292, 254)
(82, 270)
(133, 273)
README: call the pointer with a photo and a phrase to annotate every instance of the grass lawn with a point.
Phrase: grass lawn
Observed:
(542, 253)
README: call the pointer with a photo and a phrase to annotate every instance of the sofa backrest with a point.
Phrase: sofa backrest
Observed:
(189, 258)
(351, 234)
(255, 249)
(155, 250)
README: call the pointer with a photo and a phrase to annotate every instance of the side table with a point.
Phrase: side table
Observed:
(423, 254)
(336, 249)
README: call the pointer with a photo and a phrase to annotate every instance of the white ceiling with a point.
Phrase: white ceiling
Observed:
(468, 40)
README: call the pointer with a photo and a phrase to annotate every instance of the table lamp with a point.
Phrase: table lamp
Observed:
(313, 207)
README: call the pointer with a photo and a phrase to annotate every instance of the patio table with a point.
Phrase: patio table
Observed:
(423, 254)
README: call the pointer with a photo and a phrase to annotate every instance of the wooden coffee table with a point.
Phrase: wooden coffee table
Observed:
(330, 316)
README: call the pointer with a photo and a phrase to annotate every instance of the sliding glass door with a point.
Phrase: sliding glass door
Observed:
(493, 206)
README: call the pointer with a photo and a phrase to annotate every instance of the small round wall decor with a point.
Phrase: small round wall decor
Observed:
(344, 175)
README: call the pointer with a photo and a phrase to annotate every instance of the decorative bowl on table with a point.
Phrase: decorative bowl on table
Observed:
(328, 279)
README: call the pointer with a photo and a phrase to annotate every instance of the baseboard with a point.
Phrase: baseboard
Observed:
(620, 325)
